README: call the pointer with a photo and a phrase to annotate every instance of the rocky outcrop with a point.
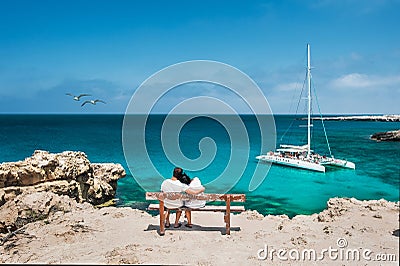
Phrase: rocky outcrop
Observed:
(35, 206)
(337, 207)
(68, 173)
(387, 136)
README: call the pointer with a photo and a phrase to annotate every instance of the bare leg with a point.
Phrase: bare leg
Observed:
(178, 216)
(167, 224)
(189, 218)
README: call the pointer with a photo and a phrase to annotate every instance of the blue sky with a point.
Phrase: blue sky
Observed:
(108, 48)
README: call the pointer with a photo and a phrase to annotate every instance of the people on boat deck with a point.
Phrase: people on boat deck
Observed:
(314, 158)
(175, 184)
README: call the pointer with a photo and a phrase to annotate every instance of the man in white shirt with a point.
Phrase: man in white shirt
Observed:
(174, 185)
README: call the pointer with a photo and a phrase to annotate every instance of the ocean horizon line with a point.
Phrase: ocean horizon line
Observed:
(241, 114)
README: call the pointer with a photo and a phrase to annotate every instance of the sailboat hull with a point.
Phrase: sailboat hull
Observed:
(292, 162)
(340, 163)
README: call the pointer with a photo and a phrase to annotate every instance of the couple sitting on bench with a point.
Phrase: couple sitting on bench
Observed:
(180, 182)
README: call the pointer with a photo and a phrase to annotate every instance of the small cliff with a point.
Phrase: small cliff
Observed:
(68, 173)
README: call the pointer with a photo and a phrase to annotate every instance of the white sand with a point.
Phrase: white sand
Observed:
(126, 236)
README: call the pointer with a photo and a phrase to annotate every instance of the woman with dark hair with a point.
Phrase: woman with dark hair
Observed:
(185, 179)
(174, 184)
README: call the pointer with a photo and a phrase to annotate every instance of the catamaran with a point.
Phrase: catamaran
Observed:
(303, 156)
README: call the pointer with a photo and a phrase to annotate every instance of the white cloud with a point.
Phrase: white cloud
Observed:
(357, 80)
(286, 87)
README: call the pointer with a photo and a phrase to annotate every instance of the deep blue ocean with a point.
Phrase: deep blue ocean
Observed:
(284, 190)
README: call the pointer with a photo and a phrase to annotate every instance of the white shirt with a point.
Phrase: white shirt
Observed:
(170, 185)
(195, 184)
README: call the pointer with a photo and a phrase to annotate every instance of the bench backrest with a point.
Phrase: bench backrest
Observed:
(205, 196)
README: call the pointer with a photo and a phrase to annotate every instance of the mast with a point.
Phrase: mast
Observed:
(309, 102)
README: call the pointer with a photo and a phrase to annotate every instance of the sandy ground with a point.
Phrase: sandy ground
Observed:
(348, 232)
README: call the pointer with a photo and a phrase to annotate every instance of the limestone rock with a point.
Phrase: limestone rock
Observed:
(387, 136)
(339, 206)
(336, 207)
(68, 173)
(43, 166)
(33, 206)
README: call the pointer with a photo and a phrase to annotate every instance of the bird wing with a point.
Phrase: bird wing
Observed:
(85, 102)
(101, 101)
(69, 94)
(83, 94)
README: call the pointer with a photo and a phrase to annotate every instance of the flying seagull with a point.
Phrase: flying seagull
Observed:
(77, 98)
(93, 102)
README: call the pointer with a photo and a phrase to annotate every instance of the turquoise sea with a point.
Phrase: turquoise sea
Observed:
(284, 190)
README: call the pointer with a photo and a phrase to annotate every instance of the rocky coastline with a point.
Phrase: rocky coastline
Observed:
(68, 174)
(58, 230)
(393, 135)
(382, 118)
(48, 215)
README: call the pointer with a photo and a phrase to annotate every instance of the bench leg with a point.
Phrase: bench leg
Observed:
(162, 218)
(227, 217)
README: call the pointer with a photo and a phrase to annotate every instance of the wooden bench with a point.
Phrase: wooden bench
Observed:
(227, 198)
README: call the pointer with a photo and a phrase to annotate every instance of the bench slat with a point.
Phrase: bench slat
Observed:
(183, 196)
(205, 208)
